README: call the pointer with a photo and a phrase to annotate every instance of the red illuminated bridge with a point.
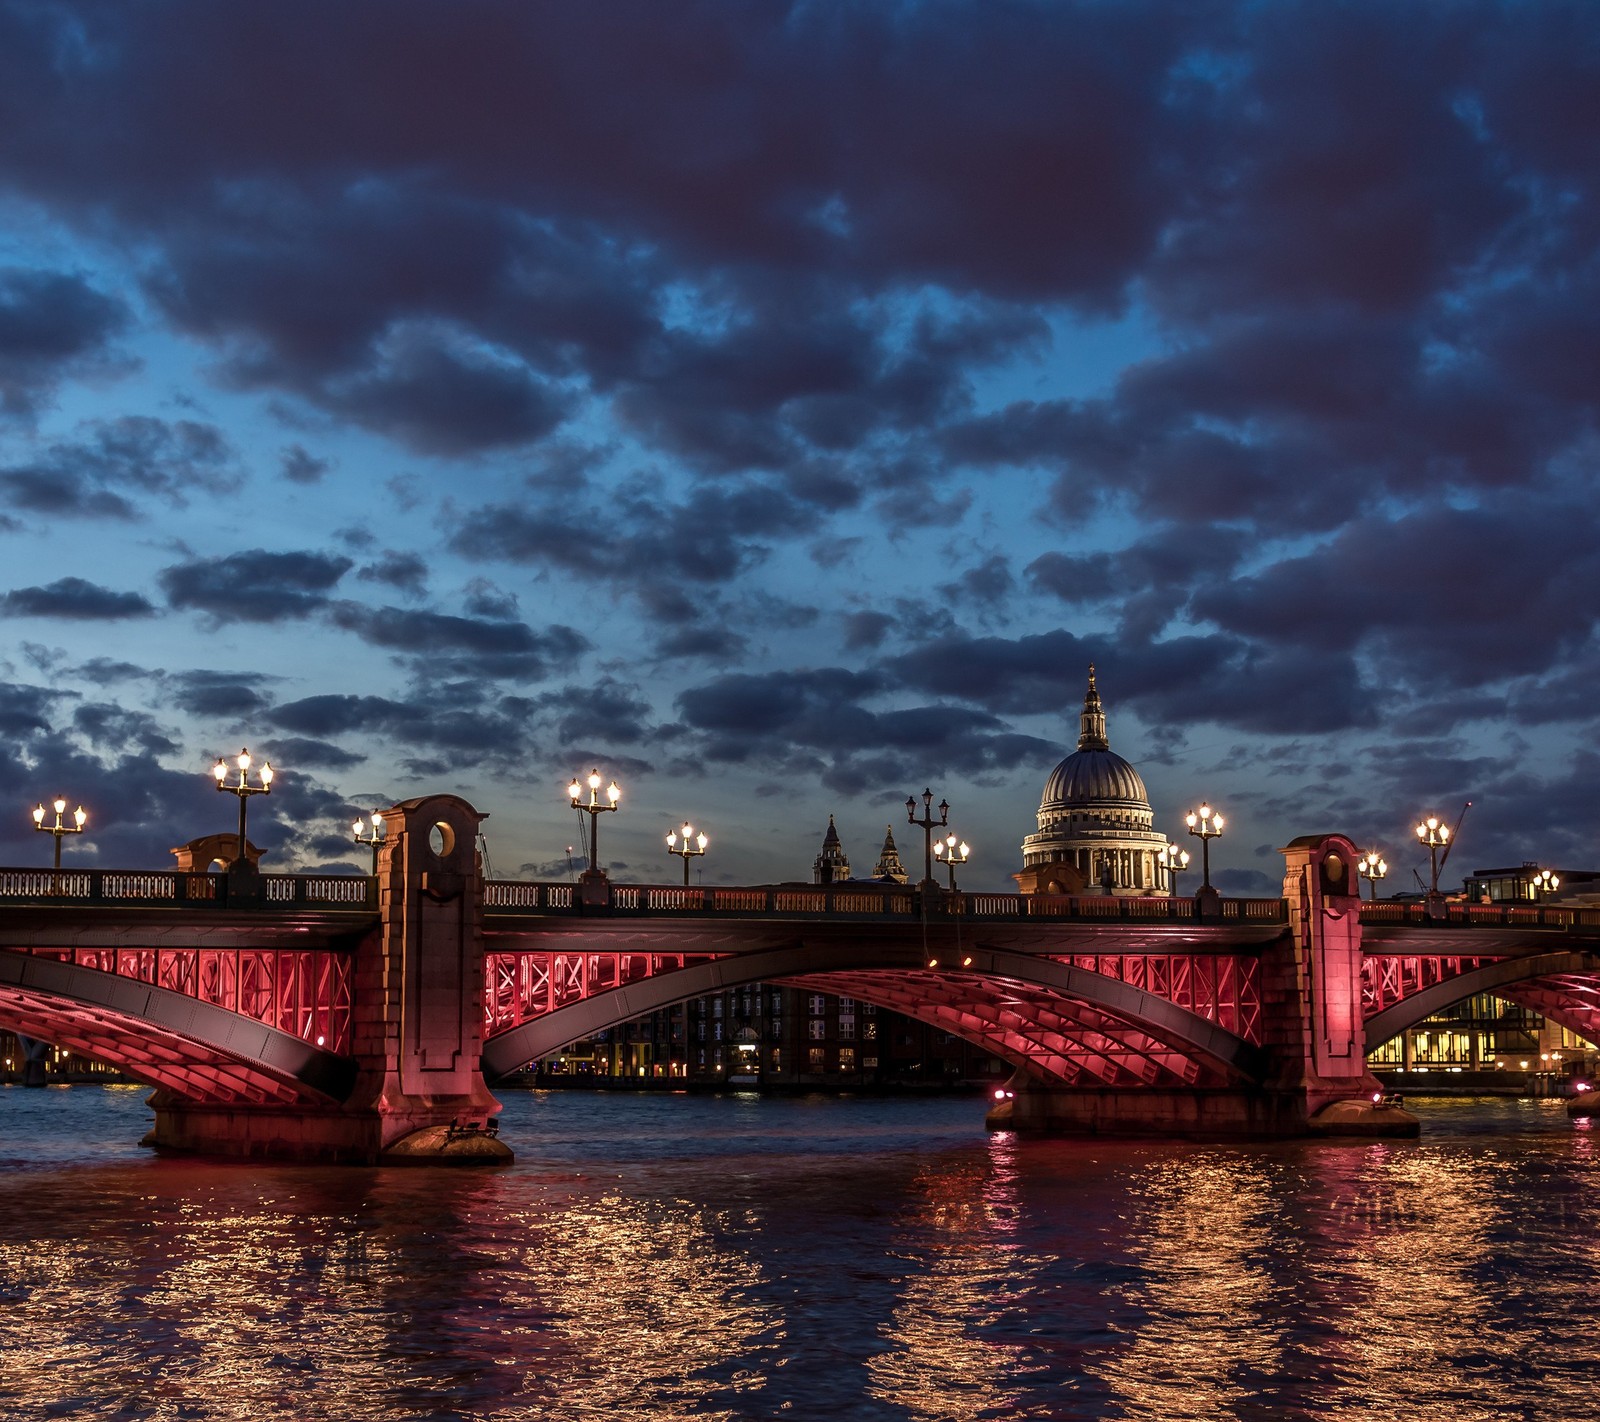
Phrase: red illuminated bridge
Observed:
(355, 1018)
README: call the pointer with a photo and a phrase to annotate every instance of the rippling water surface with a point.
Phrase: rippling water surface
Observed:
(677, 1256)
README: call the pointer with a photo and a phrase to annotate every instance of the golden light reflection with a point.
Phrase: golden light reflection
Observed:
(961, 1238)
(1198, 1225)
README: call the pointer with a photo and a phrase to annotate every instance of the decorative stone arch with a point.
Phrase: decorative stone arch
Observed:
(206, 854)
(1174, 1041)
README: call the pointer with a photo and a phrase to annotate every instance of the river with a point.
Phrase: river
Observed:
(737, 1257)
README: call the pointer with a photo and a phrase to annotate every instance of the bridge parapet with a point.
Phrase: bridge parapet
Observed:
(849, 901)
(169, 888)
(1482, 915)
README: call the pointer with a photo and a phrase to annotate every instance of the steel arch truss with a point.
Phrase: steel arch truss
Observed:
(1564, 985)
(1050, 1018)
(1047, 1036)
(524, 986)
(1224, 988)
(202, 1051)
(1388, 979)
(304, 992)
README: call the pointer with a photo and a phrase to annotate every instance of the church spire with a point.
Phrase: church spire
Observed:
(1092, 735)
(889, 865)
(831, 865)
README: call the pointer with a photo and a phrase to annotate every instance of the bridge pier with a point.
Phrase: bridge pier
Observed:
(1316, 1082)
(419, 1093)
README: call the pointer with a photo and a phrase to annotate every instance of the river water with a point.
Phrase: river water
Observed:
(681, 1256)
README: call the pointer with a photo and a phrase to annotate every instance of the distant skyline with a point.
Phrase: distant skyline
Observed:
(779, 408)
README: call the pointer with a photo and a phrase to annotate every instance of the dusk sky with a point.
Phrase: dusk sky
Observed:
(779, 408)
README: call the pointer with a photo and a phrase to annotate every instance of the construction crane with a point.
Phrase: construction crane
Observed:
(1455, 829)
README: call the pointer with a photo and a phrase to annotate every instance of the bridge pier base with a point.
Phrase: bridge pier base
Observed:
(448, 1133)
(417, 1031)
(1225, 1113)
(1182, 1113)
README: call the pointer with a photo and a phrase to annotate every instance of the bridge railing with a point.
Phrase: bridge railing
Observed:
(859, 901)
(171, 888)
(1465, 915)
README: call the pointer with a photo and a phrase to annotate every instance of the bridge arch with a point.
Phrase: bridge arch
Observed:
(200, 1052)
(1563, 985)
(1052, 1021)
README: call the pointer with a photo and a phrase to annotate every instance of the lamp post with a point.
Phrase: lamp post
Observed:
(375, 838)
(952, 850)
(1372, 867)
(594, 809)
(243, 789)
(1543, 881)
(692, 845)
(928, 824)
(1205, 824)
(80, 817)
(1176, 861)
(1434, 833)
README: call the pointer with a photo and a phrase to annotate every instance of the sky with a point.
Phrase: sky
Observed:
(779, 407)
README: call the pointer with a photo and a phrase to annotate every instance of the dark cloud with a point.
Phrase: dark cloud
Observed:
(482, 598)
(608, 711)
(75, 600)
(117, 465)
(405, 571)
(299, 467)
(52, 324)
(442, 731)
(255, 585)
(308, 753)
(116, 728)
(819, 722)
(218, 695)
(465, 646)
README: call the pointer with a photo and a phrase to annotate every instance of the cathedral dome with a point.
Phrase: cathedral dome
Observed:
(1096, 828)
(1092, 777)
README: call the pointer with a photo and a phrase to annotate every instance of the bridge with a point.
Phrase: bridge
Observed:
(357, 1018)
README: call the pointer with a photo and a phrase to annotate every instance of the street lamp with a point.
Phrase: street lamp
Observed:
(594, 809)
(952, 850)
(1543, 881)
(1206, 825)
(244, 790)
(378, 834)
(928, 824)
(80, 817)
(1434, 833)
(1372, 867)
(692, 844)
(1176, 861)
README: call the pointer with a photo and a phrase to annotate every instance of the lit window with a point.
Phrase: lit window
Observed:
(847, 1058)
(815, 1058)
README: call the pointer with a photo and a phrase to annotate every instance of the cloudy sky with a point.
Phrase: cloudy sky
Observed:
(780, 407)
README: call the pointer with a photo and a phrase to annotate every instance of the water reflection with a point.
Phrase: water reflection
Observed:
(877, 1261)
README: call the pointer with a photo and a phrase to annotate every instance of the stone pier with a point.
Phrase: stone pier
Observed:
(419, 1093)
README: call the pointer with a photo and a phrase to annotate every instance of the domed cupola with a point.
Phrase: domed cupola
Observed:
(1095, 822)
(1094, 774)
